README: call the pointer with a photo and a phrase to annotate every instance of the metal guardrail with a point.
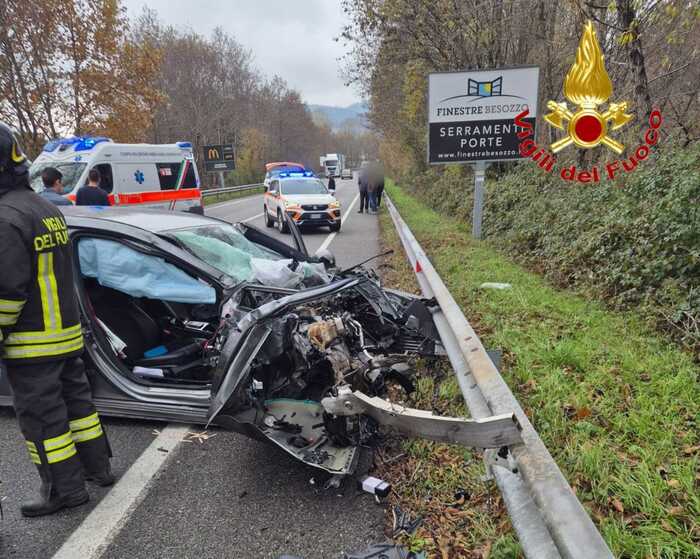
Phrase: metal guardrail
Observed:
(225, 190)
(548, 518)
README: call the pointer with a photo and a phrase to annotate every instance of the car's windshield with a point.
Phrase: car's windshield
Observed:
(303, 187)
(331, 162)
(224, 247)
(71, 172)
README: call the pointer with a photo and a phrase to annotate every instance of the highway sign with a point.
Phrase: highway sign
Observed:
(471, 114)
(219, 157)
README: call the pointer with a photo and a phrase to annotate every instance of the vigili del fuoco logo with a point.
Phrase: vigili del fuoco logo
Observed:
(587, 86)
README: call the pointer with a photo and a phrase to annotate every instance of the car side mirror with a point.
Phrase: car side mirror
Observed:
(326, 257)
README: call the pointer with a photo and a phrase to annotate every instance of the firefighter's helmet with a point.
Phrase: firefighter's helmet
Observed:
(12, 158)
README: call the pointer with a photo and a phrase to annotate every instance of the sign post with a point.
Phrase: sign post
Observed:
(219, 158)
(478, 212)
(471, 120)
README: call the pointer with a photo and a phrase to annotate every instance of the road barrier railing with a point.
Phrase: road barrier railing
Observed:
(225, 190)
(548, 518)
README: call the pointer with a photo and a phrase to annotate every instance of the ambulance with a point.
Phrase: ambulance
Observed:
(159, 176)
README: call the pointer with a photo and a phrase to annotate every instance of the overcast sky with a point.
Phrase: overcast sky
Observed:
(293, 39)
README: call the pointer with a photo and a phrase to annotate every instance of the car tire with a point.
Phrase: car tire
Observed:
(282, 226)
(269, 222)
(335, 227)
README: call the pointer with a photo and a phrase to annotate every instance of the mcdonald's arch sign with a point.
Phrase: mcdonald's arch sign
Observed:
(219, 157)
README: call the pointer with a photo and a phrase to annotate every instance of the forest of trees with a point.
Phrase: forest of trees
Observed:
(652, 53)
(82, 67)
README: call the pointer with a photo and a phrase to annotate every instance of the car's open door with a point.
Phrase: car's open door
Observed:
(298, 239)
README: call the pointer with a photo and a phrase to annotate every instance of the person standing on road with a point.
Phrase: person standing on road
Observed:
(41, 342)
(380, 187)
(372, 187)
(331, 185)
(53, 187)
(362, 185)
(91, 194)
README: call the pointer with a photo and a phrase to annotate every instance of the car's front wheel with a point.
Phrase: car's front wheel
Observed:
(282, 226)
(269, 222)
(335, 227)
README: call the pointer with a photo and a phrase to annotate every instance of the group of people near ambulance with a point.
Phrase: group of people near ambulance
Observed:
(41, 338)
(89, 195)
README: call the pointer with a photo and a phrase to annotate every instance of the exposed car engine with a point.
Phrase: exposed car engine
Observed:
(357, 340)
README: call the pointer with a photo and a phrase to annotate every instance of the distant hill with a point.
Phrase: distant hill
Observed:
(339, 117)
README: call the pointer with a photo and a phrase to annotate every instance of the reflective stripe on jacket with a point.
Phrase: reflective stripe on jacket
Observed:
(39, 316)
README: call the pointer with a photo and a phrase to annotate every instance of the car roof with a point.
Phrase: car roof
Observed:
(283, 179)
(155, 221)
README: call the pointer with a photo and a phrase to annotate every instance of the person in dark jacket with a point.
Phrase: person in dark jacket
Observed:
(372, 187)
(41, 342)
(53, 187)
(91, 194)
(362, 185)
(379, 177)
(331, 185)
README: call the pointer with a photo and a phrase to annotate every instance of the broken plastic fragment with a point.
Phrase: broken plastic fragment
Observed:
(493, 285)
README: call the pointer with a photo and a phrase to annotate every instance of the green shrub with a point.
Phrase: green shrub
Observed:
(633, 243)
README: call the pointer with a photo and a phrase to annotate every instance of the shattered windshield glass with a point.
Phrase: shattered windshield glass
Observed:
(226, 249)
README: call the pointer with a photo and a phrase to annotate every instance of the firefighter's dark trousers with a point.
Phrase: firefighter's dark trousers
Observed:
(62, 430)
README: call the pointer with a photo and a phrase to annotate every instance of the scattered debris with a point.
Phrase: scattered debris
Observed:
(386, 550)
(161, 449)
(403, 523)
(374, 486)
(461, 497)
(242, 494)
(199, 437)
(491, 285)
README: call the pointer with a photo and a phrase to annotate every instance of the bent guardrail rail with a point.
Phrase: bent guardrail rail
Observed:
(548, 518)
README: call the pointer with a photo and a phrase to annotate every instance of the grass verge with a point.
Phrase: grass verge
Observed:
(617, 405)
(226, 196)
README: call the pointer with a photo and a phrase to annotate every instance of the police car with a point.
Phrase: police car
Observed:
(301, 197)
(160, 176)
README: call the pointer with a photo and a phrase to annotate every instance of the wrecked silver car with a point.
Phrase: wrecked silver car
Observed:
(189, 318)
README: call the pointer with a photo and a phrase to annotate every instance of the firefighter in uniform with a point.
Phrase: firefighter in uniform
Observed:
(41, 342)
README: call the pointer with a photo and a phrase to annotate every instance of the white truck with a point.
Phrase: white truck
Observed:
(333, 164)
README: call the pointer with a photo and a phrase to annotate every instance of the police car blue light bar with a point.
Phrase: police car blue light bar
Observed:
(285, 174)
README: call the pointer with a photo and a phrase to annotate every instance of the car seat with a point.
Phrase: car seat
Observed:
(139, 331)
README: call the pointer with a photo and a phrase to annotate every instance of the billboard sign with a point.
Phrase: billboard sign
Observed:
(471, 115)
(219, 157)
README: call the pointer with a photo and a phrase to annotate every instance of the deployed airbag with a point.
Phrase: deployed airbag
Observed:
(122, 268)
(245, 261)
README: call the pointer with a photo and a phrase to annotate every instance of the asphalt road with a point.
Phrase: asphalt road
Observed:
(226, 497)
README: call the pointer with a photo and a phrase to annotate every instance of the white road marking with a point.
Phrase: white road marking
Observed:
(329, 238)
(252, 218)
(91, 539)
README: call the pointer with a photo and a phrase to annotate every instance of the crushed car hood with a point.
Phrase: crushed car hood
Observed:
(309, 371)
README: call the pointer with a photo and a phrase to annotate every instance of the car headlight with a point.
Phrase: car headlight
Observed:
(292, 206)
(334, 205)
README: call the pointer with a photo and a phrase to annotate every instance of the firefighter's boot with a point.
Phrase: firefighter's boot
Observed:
(103, 479)
(49, 500)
